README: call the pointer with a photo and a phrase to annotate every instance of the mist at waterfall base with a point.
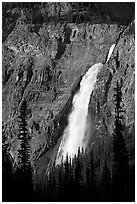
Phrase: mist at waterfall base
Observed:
(77, 133)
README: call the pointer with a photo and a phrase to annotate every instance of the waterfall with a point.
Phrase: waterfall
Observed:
(77, 128)
(110, 52)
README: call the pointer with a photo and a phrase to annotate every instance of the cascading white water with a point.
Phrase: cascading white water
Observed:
(110, 52)
(74, 134)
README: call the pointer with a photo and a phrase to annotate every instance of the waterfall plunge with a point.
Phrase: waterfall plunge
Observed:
(74, 134)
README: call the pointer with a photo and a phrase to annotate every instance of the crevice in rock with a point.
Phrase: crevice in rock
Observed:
(61, 48)
(62, 43)
(117, 60)
(67, 34)
(7, 75)
(29, 75)
(125, 71)
(27, 81)
(106, 87)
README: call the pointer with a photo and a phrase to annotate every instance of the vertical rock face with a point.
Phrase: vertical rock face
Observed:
(121, 61)
(44, 61)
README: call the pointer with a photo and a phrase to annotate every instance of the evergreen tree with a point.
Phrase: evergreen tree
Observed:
(67, 177)
(23, 178)
(91, 180)
(120, 170)
(51, 186)
(7, 172)
(60, 183)
(105, 184)
(77, 176)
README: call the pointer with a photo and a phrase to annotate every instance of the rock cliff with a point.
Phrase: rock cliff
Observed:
(46, 53)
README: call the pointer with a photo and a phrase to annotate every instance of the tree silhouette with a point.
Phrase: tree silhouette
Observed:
(7, 172)
(60, 183)
(77, 175)
(120, 170)
(91, 180)
(105, 184)
(67, 177)
(23, 177)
